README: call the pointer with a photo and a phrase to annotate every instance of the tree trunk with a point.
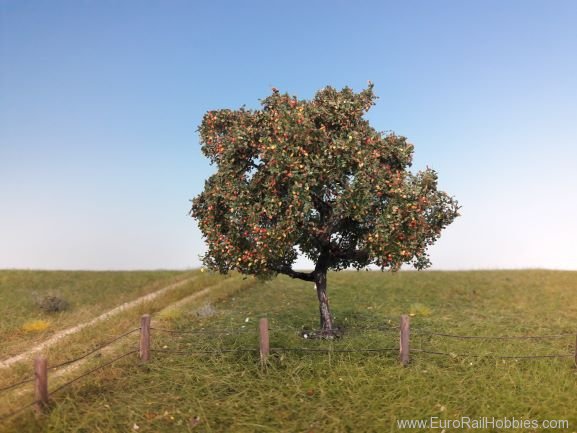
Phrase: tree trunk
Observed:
(325, 311)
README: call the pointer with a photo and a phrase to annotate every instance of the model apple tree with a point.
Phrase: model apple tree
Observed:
(313, 177)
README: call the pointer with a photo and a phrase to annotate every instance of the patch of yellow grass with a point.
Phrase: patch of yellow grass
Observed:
(35, 326)
(419, 310)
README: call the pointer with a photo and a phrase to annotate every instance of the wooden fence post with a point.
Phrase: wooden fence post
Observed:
(264, 341)
(41, 384)
(404, 341)
(145, 338)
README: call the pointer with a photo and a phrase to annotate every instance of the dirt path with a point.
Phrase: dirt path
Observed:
(112, 348)
(64, 333)
(178, 304)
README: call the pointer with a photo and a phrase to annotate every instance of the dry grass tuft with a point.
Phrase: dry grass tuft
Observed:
(33, 326)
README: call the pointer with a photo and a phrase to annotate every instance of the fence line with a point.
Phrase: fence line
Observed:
(14, 385)
(366, 350)
(310, 349)
(44, 401)
(492, 337)
(204, 352)
(19, 410)
(361, 330)
(100, 367)
(346, 331)
(404, 345)
(41, 379)
(469, 355)
(201, 331)
(71, 361)
(272, 349)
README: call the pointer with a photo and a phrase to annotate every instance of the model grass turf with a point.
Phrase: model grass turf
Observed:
(344, 392)
(88, 294)
(95, 336)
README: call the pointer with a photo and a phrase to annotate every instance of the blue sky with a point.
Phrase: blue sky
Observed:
(100, 101)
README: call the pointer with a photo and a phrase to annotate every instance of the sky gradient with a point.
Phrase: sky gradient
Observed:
(100, 101)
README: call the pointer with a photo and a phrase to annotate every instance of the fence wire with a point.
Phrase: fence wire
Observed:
(14, 385)
(18, 411)
(203, 352)
(365, 350)
(89, 372)
(343, 329)
(380, 328)
(361, 330)
(65, 385)
(311, 349)
(472, 355)
(71, 361)
(352, 330)
(493, 337)
(203, 331)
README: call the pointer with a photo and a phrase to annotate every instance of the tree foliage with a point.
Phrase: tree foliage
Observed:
(313, 177)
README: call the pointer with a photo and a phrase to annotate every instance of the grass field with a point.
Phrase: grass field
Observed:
(88, 294)
(342, 391)
(87, 302)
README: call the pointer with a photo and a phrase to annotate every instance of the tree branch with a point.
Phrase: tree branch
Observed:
(353, 255)
(324, 209)
(286, 270)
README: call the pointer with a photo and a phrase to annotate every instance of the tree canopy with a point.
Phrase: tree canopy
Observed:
(313, 177)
